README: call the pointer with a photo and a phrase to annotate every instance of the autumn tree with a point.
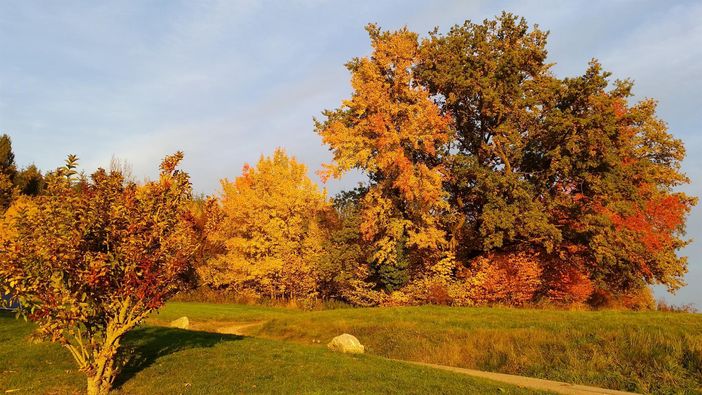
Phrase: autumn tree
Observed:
(90, 258)
(474, 150)
(566, 167)
(270, 231)
(391, 130)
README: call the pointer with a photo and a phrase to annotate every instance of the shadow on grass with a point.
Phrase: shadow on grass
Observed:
(143, 346)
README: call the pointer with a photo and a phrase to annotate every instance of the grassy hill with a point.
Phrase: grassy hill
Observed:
(652, 352)
(283, 351)
(173, 361)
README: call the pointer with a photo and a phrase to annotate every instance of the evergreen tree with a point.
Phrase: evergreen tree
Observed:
(8, 171)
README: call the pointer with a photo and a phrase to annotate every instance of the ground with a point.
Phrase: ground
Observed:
(283, 351)
(655, 352)
(172, 361)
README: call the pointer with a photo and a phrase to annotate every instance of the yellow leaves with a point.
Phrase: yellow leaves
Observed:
(270, 228)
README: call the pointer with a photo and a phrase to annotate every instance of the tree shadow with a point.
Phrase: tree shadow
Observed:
(144, 345)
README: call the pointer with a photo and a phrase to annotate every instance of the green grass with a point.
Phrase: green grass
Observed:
(652, 352)
(172, 361)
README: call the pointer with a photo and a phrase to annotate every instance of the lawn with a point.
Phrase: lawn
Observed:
(652, 352)
(173, 361)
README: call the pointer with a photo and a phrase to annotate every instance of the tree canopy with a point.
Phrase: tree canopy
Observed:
(473, 146)
(90, 258)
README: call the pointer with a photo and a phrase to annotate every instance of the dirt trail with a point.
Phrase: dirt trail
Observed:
(224, 327)
(526, 382)
(240, 328)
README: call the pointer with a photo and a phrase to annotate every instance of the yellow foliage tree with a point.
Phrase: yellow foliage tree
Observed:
(269, 231)
(392, 130)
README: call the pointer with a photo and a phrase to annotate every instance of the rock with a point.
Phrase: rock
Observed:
(347, 344)
(182, 323)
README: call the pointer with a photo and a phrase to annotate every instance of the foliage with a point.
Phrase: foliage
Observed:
(90, 258)
(392, 131)
(344, 268)
(8, 170)
(270, 231)
(30, 181)
(473, 148)
(510, 279)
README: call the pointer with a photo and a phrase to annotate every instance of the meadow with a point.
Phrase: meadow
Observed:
(270, 348)
(648, 351)
(174, 361)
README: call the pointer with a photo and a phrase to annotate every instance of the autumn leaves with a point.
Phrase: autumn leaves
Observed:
(475, 150)
(490, 180)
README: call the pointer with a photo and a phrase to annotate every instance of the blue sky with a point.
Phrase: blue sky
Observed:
(228, 80)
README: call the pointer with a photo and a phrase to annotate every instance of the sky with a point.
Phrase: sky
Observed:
(227, 81)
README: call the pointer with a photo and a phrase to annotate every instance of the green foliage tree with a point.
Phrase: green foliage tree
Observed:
(8, 171)
(564, 166)
(30, 181)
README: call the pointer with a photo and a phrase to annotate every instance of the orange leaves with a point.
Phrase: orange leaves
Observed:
(511, 278)
(393, 131)
(565, 279)
(653, 224)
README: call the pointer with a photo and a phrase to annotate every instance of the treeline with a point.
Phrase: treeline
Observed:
(13, 181)
(490, 181)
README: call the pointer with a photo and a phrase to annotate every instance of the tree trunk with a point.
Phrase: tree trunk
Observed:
(100, 382)
(98, 385)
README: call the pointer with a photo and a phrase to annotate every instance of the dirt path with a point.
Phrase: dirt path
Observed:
(224, 327)
(526, 382)
(239, 328)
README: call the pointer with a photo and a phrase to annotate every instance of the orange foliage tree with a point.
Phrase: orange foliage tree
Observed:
(391, 130)
(89, 259)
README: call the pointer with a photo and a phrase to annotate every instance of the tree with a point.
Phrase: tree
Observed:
(564, 166)
(90, 258)
(490, 78)
(392, 131)
(345, 264)
(8, 171)
(30, 181)
(474, 149)
(270, 230)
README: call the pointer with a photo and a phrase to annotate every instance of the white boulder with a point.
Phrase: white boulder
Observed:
(347, 344)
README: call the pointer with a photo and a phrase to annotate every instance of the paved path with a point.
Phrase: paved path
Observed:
(527, 382)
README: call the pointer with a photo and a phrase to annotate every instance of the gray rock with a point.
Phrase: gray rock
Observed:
(347, 344)
(182, 323)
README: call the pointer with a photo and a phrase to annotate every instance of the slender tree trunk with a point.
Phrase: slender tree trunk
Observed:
(98, 385)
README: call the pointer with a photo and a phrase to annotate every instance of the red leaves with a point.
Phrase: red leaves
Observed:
(566, 282)
(654, 223)
(81, 250)
(507, 278)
